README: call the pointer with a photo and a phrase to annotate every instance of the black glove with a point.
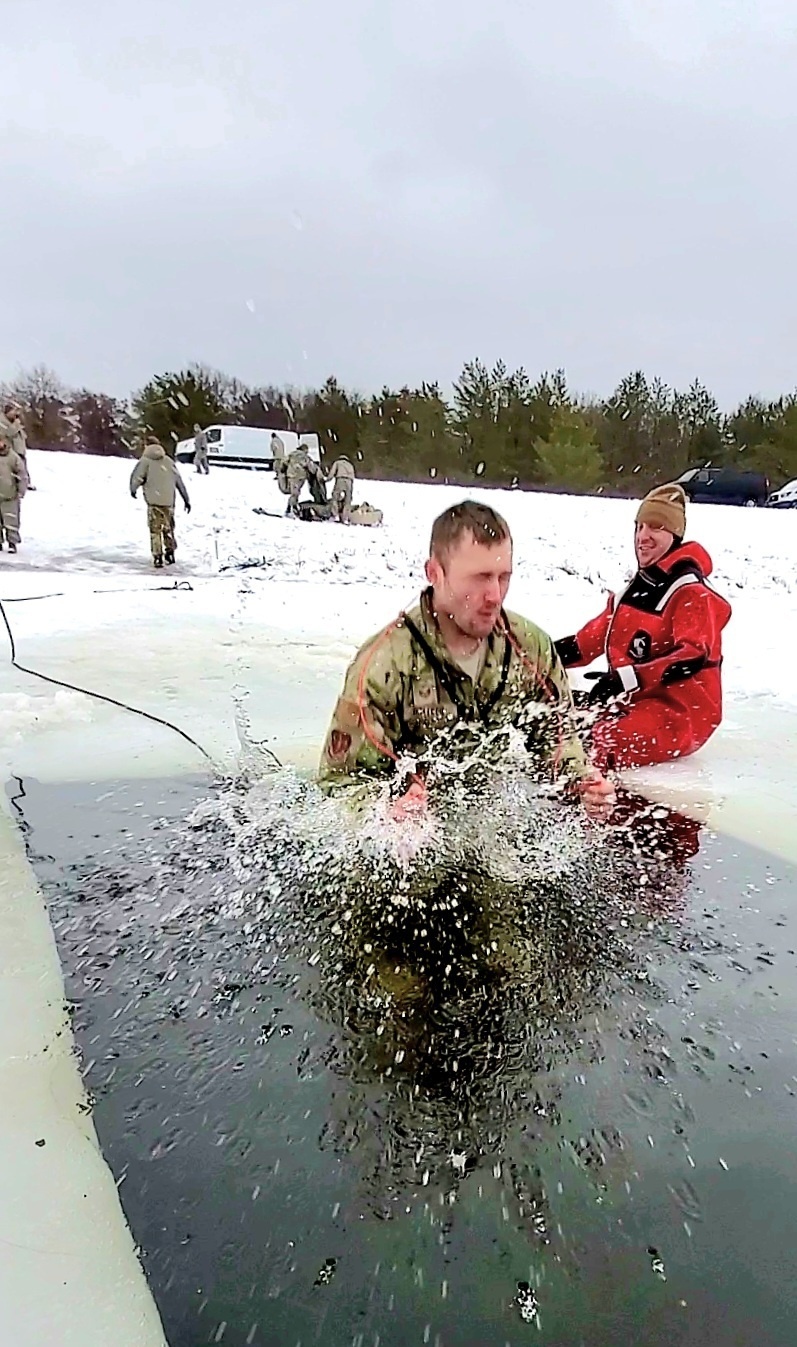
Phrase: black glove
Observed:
(187, 508)
(605, 687)
(133, 494)
(567, 650)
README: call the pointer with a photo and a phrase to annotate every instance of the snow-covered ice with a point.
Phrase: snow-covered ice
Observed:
(258, 654)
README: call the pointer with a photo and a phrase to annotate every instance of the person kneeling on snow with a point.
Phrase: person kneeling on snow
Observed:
(455, 672)
(662, 637)
(158, 475)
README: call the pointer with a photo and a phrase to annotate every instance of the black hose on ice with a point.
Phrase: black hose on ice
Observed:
(88, 692)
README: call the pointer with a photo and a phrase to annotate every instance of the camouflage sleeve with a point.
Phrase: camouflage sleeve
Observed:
(569, 757)
(365, 728)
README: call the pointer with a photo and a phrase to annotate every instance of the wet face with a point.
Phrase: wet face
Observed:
(470, 583)
(651, 544)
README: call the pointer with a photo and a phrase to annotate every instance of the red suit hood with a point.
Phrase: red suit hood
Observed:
(688, 552)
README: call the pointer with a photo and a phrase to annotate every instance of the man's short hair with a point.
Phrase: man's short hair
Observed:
(484, 523)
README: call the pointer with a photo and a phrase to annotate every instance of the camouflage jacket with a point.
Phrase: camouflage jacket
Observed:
(403, 694)
(300, 465)
(13, 432)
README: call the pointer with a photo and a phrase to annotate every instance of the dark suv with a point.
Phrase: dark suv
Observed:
(725, 486)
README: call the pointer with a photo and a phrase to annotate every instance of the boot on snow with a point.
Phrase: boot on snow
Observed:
(169, 558)
(12, 547)
(157, 562)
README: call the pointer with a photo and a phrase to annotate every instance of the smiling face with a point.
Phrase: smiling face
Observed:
(470, 582)
(651, 544)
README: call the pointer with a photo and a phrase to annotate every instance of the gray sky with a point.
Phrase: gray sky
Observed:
(383, 190)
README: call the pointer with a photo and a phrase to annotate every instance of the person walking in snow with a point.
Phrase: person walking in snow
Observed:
(662, 638)
(13, 485)
(160, 478)
(12, 428)
(201, 450)
(342, 474)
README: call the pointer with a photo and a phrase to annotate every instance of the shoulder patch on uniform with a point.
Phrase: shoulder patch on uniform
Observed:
(347, 715)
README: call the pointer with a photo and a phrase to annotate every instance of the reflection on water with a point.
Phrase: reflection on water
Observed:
(352, 1097)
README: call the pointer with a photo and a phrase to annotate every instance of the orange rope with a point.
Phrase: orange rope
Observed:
(539, 679)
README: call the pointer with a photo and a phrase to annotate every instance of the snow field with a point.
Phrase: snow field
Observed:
(259, 653)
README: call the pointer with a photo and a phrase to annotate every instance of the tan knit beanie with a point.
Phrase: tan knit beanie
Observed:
(664, 508)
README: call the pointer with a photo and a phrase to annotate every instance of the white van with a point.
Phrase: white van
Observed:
(786, 498)
(246, 446)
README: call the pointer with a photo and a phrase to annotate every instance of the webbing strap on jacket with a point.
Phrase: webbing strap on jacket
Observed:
(450, 683)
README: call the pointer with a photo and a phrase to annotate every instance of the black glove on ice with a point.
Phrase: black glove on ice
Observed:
(605, 687)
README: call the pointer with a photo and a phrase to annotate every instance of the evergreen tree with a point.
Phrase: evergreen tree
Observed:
(570, 457)
(170, 405)
(100, 423)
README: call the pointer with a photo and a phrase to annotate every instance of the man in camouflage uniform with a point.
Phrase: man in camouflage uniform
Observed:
(13, 485)
(297, 473)
(12, 430)
(453, 670)
(160, 479)
(279, 462)
(201, 450)
(342, 473)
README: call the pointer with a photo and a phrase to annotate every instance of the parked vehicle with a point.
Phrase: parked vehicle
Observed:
(725, 486)
(246, 446)
(785, 498)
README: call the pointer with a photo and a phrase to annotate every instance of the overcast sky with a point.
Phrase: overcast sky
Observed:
(383, 189)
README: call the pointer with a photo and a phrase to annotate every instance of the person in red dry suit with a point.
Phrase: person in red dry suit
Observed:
(662, 639)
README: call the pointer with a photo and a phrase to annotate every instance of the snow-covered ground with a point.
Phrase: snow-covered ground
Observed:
(257, 654)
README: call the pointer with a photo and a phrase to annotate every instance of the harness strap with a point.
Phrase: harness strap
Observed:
(450, 683)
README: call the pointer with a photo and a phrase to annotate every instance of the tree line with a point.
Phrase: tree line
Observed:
(498, 427)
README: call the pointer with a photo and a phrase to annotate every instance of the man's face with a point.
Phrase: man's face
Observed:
(470, 583)
(651, 544)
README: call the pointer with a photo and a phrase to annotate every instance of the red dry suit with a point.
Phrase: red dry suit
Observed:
(663, 637)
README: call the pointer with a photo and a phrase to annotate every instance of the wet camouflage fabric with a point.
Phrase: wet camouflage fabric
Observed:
(410, 711)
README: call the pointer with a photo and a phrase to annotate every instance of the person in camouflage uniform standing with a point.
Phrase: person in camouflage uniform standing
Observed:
(160, 479)
(456, 667)
(297, 472)
(279, 462)
(13, 485)
(201, 450)
(12, 430)
(342, 473)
